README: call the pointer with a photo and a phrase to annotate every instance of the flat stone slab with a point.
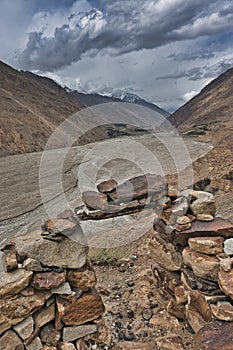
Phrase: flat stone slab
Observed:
(107, 186)
(217, 227)
(203, 266)
(65, 253)
(140, 187)
(12, 283)
(207, 245)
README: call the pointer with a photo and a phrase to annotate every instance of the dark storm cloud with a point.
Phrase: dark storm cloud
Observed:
(198, 73)
(125, 26)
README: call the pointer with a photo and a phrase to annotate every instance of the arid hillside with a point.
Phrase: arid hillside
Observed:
(209, 115)
(30, 108)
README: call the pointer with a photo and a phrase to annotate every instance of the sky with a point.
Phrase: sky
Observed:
(165, 51)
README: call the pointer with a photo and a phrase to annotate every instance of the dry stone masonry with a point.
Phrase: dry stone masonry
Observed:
(193, 251)
(48, 298)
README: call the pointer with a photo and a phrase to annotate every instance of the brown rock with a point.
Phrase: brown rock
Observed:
(164, 253)
(63, 226)
(107, 186)
(75, 312)
(11, 341)
(183, 220)
(191, 281)
(76, 332)
(81, 345)
(171, 342)
(12, 283)
(44, 316)
(181, 294)
(225, 281)
(49, 335)
(95, 200)
(215, 336)
(49, 347)
(9, 257)
(140, 187)
(83, 278)
(163, 319)
(207, 245)
(48, 280)
(172, 192)
(223, 311)
(205, 217)
(175, 309)
(67, 253)
(183, 227)
(166, 281)
(217, 227)
(16, 310)
(198, 311)
(203, 265)
(27, 291)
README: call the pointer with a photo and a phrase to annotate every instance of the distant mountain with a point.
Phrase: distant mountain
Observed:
(209, 115)
(119, 96)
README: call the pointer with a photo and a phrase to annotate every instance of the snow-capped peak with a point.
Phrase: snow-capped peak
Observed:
(126, 96)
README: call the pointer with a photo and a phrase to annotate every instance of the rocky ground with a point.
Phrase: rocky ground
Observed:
(135, 312)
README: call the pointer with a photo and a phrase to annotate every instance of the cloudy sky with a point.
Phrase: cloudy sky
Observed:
(163, 50)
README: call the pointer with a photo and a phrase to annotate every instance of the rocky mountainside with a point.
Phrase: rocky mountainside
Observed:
(120, 96)
(209, 117)
(30, 109)
(210, 113)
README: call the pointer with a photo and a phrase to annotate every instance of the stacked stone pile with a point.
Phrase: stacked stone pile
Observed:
(48, 298)
(111, 199)
(193, 251)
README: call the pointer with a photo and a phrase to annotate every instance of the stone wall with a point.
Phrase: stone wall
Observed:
(48, 298)
(193, 252)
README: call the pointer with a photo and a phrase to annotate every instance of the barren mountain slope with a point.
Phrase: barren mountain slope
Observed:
(210, 113)
(30, 108)
(209, 117)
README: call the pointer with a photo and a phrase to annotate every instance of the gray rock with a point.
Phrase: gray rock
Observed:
(35, 344)
(12, 283)
(11, 341)
(25, 328)
(73, 333)
(66, 254)
(63, 289)
(204, 204)
(228, 246)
